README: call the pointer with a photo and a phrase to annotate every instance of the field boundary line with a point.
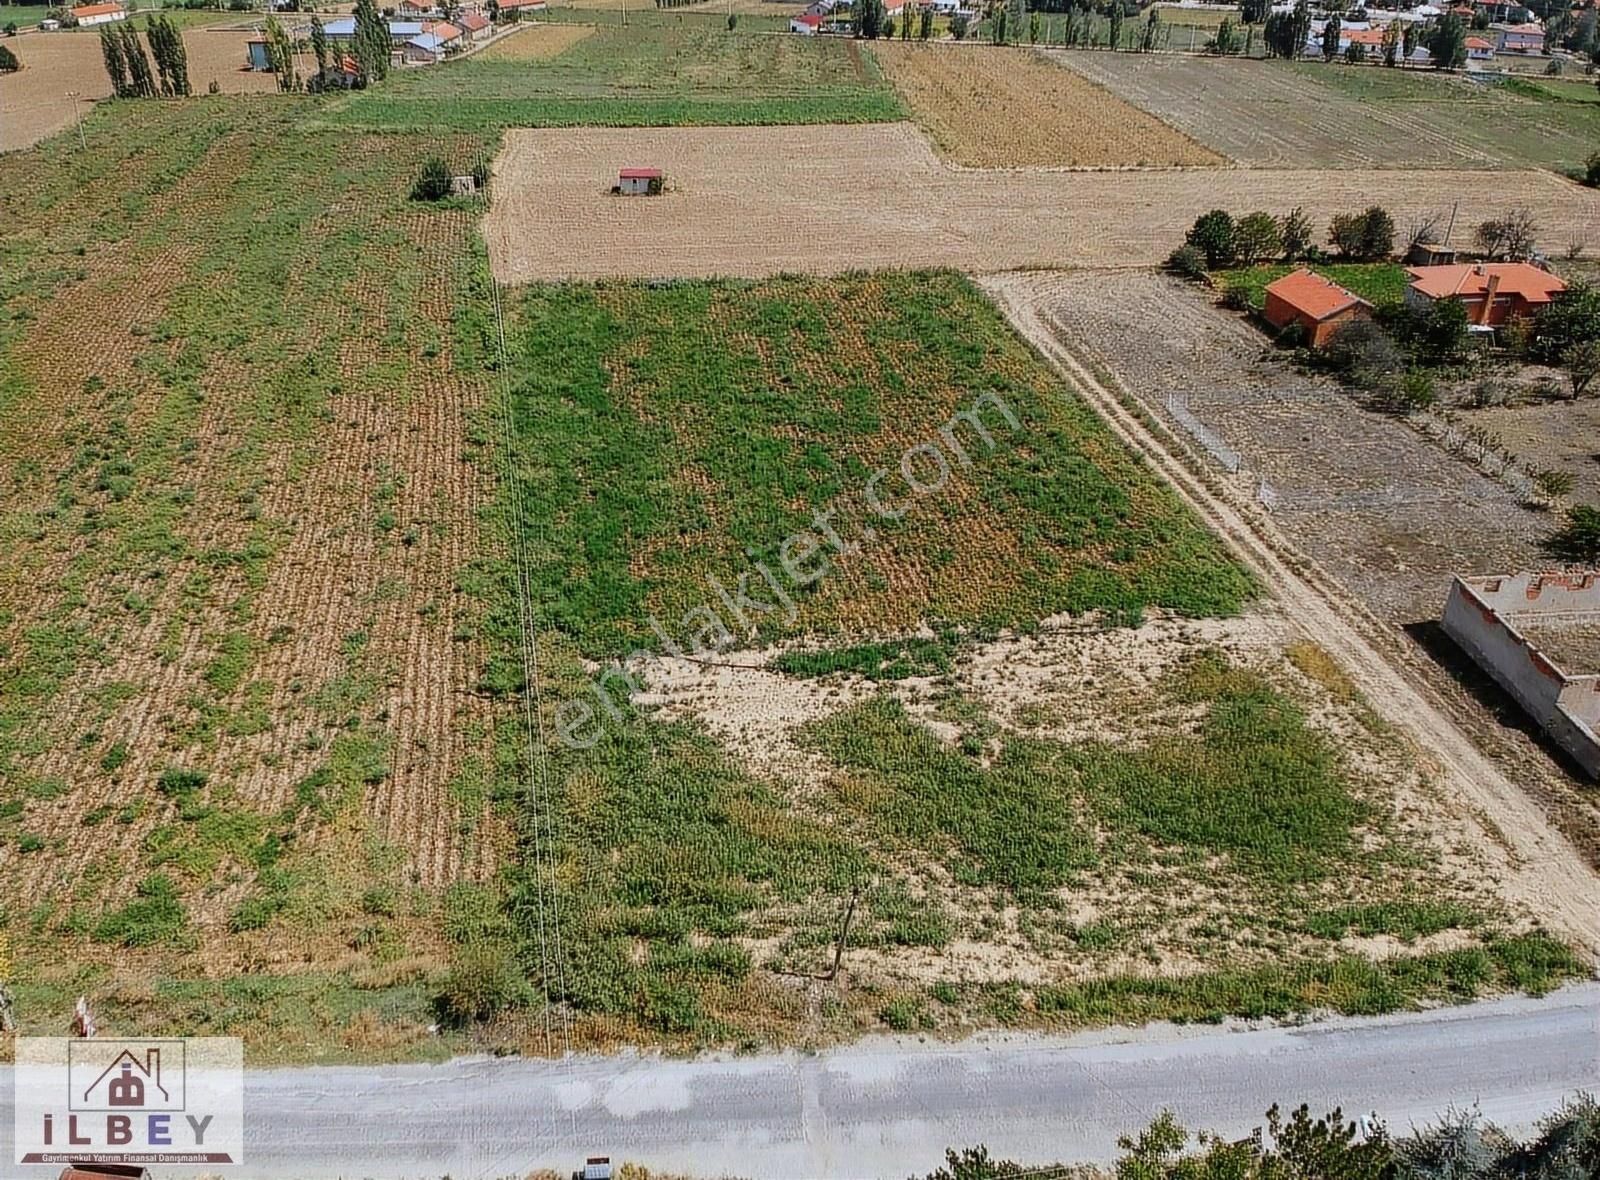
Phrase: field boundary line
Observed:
(1547, 871)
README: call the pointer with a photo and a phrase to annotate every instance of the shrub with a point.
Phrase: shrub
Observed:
(958, 26)
(1294, 232)
(1553, 483)
(1578, 540)
(1188, 262)
(733, 21)
(1213, 235)
(1363, 354)
(1369, 234)
(433, 184)
(1591, 171)
(8, 61)
(10, 29)
(154, 916)
(1292, 336)
(1511, 236)
(484, 982)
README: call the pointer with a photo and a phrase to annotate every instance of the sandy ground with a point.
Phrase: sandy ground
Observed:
(752, 201)
(1546, 873)
(35, 102)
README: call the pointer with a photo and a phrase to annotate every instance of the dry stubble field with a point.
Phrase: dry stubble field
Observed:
(34, 102)
(1052, 116)
(828, 198)
(535, 43)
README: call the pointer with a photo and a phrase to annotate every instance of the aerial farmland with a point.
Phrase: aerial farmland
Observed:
(785, 605)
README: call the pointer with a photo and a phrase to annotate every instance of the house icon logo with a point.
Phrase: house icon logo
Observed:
(126, 1076)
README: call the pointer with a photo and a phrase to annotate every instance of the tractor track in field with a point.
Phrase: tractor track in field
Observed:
(1546, 871)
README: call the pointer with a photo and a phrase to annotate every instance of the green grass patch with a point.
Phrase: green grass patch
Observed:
(892, 660)
(654, 74)
(1406, 920)
(1376, 282)
(673, 438)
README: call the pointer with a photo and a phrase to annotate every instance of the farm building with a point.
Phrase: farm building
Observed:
(416, 9)
(474, 26)
(437, 39)
(1493, 292)
(344, 30)
(255, 52)
(805, 24)
(89, 15)
(517, 9)
(638, 182)
(1319, 305)
(1480, 49)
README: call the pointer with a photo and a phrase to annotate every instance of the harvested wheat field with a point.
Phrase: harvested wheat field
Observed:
(747, 201)
(1053, 117)
(1275, 114)
(535, 43)
(34, 102)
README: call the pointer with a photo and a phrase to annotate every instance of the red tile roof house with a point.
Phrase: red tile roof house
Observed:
(516, 9)
(1320, 306)
(89, 15)
(1492, 291)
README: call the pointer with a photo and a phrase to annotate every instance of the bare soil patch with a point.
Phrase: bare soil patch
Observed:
(34, 102)
(535, 43)
(1497, 779)
(1052, 117)
(828, 198)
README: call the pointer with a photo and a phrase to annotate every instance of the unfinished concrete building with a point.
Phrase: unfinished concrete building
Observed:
(1525, 630)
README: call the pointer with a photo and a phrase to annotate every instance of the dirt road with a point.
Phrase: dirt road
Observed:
(1545, 870)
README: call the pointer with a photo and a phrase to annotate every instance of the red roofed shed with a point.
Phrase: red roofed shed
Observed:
(1320, 306)
(639, 181)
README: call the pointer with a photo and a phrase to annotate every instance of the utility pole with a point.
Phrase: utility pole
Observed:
(77, 118)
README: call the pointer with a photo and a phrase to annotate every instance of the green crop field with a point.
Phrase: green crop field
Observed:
(657, 74)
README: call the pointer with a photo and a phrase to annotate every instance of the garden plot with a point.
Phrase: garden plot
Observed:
(829, 198)
(1274, 114)
(1053, 117)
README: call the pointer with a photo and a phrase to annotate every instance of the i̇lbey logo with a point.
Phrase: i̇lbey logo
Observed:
(129, 1102)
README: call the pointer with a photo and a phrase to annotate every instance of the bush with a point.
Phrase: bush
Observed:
(1256, 237)
(958, 26)
(1553, 483)
(1213, 235)
(154, 916)
(1294, 232)
(8, 61)
(1578, 540)
(1364, 355)
(434, 182)
(1591, 171)
(484, 982)
(1188, 262)
(10, 29)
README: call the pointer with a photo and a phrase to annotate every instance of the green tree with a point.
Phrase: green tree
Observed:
(1255, 12)
(925, 25)
(1571, 317)
(1391, 43)
(974, 1164)
(8, 61)
(116, 63)
(958, 26)
(1116, 24)
(319, 46)
(280, 55)
(1582, 363)
(141, 82)
(371, 42)
(1447, 42)
(1294, 230)
(1355, 53)
(1256, 238)
(1212, 234)
(1330, 37)
(1000, 27)
(1152, 30)
(1226, 41)
(1408, 39)
(1368, 234)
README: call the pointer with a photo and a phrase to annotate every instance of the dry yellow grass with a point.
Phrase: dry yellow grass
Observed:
(754, 201)
(1015, 109)
(34, 102)
(535, 43)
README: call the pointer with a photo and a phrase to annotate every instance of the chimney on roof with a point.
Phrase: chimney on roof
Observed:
(1488, 297)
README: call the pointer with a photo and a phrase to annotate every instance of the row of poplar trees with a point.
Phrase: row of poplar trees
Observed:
(129, 66)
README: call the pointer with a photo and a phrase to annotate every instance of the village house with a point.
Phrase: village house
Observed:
(1492, 292)
(807, 24)
(1318, 305)
(417, 9)
(517, 9)
(344, 31)
(1480, 49)
(89, 15)
(474, 25)
(1527, 38)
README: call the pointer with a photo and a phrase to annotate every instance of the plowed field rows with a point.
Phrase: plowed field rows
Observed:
(1014, 108)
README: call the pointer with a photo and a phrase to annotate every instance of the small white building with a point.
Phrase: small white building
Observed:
(639, 182)
(89, 15)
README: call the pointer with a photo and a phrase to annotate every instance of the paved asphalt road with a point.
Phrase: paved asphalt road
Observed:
(890, 1107)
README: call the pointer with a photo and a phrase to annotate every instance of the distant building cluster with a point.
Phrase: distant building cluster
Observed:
(419, 33)
(1498, 28)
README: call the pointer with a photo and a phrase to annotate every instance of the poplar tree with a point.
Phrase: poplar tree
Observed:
(319, 46)
(116, 64)
(372, 41)
(141, 83)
